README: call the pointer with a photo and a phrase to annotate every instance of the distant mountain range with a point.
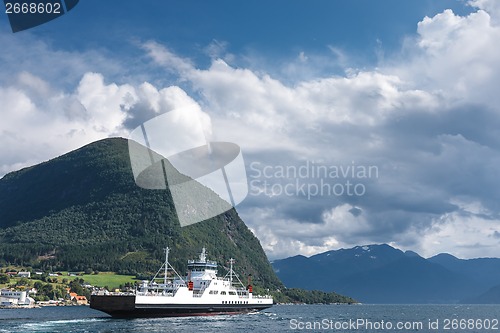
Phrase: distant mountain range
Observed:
(383, 274)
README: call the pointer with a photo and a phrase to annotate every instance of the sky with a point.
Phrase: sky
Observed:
(360, 121)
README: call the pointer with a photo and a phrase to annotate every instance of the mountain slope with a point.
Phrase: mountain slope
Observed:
(492, 296)
(408, 280)
(485, 271)
(83, 211)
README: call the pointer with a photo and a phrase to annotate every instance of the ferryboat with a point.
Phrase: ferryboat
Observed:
(199, 293)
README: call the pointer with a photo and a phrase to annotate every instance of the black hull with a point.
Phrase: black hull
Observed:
(124, 307)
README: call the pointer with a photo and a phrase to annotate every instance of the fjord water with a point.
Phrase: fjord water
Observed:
(280, 318)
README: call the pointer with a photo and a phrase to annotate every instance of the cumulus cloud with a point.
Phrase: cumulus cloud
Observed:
(40, 121)
(454, 55)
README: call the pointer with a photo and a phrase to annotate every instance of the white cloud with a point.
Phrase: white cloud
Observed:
(455, 55)
(105, 104)
(62, 68)
(41, 122)
(284, 237)
(490, 6)
(169, 60)
(466, 236)
(281, 236)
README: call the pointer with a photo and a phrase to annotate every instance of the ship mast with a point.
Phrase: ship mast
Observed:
(167, 250)
(231, 262)
(164, 269)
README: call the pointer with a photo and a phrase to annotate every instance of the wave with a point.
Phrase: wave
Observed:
(43, 325)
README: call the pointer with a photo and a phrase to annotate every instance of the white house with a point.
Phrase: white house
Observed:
(15, 298)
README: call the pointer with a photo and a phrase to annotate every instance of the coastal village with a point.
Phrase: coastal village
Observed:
(29, 289)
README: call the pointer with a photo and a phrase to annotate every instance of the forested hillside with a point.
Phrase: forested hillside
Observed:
(83, 211)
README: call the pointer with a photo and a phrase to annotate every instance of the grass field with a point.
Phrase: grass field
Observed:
(103, 279)
(109, 279)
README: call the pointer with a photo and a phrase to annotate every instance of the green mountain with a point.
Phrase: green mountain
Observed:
(83, 211)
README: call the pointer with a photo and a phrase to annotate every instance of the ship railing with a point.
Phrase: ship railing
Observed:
(169, 290)
(210, 262)
(155, 293)
(262, 297)
(255, 296)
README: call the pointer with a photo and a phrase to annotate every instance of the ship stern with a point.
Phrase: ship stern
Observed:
(114, 305)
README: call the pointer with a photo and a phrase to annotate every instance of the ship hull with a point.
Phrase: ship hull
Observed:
(123, 306)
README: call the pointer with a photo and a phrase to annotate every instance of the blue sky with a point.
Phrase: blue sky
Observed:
(278, 25)
(272, 31)
(406, 87)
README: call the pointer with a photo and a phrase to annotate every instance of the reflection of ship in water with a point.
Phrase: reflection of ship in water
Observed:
(200, 293)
